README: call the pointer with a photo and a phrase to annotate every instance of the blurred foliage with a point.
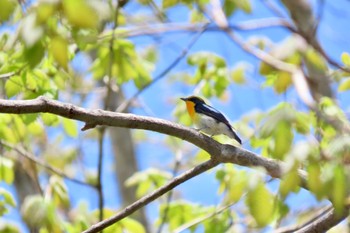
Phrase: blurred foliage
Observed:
(39, 46)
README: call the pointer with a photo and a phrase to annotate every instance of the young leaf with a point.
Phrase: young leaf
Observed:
(6, 9)
(260, 203)
(13, 86)
(339, 189)
(70, 127)
(6, 170)
(59, 50)
(80, 14)
(345, 85)
(345, 58)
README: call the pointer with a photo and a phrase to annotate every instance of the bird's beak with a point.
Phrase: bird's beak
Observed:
(184, 99)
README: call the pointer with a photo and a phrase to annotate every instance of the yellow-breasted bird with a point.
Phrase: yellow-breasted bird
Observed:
(208, 119)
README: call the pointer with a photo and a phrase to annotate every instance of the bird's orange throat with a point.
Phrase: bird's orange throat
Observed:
(190, 109)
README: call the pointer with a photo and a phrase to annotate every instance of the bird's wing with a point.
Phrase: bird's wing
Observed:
(212, 112)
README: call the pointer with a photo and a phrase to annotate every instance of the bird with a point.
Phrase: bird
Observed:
(208, 119)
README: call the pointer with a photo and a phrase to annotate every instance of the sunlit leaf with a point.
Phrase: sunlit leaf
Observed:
(29, 118)
(50, 119)
(6, 170)
(13, 86)
(59, 50)
(345, 58)
(244, 5)
(85, 17)
(34, 211)
(303, 123)
(131, 225)
(45, 10)
(315, 59)
(314, 181)
(7, 199)
(289, 183)
(339, 190)
(70, 127)
(345, 85)
(260, 203)
(34, 54)
(6, 9)
(229, 7)
(282, 82)
(238, 75)
(168, 3)
(283, 139)
(59, 191)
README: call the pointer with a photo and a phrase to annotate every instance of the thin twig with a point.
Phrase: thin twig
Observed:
(48, 167)
(99, 186)
(183, 53)
(290, 229)
(170, 195)
(196, 221)
(156, 29)
(203, 167)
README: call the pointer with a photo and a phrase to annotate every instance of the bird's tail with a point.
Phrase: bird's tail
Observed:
(235, 136)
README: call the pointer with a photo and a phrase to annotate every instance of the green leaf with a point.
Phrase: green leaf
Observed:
(147, 180)
(238, 75)
(282, 82)
(169, 3)
(6, 170)
(34, 54)
(303, 123)
(244, 5)
(315, 59)
(345, 58)
(50, 119)
(345, 85)
(6, 9)
(314, 181)
(70, 127)
(45, 10)
(29, 118)
(290, 183)
(59, 191)
(34, 211)
(237, 188)
(283, 139)
(131, 225)
(13, 86)
(260, 203)
(59, 50)
(85, 17)
(8, 198)
(339, 190)
(229, 7)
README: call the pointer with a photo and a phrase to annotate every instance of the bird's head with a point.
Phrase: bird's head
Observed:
(191, 102)
(194, 99)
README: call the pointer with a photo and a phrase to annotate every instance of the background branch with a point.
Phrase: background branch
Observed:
(43, 164)
(154, 195)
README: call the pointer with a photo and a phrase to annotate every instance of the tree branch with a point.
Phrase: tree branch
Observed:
(154, 195)
(156, 29)
(219, 153)
(46, 166)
